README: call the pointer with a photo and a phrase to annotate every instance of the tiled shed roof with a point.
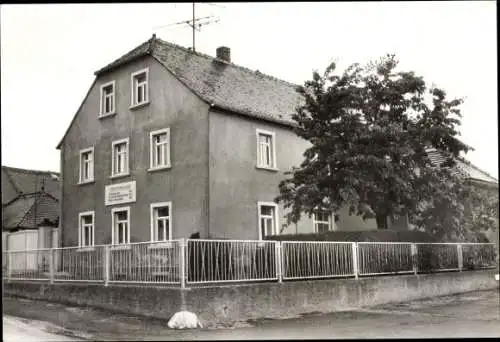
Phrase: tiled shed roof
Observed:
(225, 85)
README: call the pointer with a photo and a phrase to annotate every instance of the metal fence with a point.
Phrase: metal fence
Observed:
(435, 257)
(78, 264)
(197, 261)
(215, 261)
(306, 260)
(385, 258)
(151, 262)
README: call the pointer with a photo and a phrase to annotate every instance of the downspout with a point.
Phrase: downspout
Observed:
(209, 179)
(60, 234)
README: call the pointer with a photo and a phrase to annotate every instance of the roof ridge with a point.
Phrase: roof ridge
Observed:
(257, 72)
(29, 170)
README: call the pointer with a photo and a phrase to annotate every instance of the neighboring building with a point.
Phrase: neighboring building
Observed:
(169, 142)
(30, 208)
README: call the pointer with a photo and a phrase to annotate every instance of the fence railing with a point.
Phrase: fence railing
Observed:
(215, 261)
(78, 264)
(385, 258)
(306, 260)
(197, 261)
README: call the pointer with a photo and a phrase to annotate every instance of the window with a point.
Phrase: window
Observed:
(140, 91)
(107, 99)
(159, 142)
(161, 222)
(86, 229)
(268, 219)
(266, 154)
(322, 220)
(86, 165)
(121, 226)
(119, 163)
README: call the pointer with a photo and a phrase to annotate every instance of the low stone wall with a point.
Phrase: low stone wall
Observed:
(268, 300)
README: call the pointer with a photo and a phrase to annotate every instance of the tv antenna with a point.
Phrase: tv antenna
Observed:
(195, 23)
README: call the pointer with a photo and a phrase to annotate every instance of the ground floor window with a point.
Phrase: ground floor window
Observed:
(161, 222)
(268, 219)
(121, 225)
(322, 221)
(86, 229)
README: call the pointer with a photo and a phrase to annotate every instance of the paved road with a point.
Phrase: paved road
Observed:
(475, 314)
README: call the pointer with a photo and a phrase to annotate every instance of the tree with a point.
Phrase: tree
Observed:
(369, 130)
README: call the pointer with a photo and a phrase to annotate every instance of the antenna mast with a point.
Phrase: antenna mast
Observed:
(195, 23)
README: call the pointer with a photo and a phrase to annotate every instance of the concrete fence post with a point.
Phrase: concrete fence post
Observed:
(460, 257)
(279, 260)
(182, 259)
(106, 265)
(51, 266)
(414, 257)
(355, 260)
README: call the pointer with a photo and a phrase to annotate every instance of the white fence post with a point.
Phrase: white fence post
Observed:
(51, 266)
(460, 257)
(182, 251)
(414, 256)
(279, 260)
(106, 265)
(355, 259)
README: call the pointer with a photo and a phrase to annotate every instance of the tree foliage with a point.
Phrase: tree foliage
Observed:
(369, 130)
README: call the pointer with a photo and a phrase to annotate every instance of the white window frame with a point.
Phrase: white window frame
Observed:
(330, 221)
(113, 212)
(274, 165)
(276, 217)
(80, 228)
(152, 149)
(113, 100)
(80, 174)
(134, 87)
(154, 206)
(125, 141)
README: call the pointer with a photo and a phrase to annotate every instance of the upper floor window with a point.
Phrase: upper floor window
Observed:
(107, 99)
(86, 229)
(159, 142)
(140, 89)
(322, 221)
(161, 222)
(268, 219)
(266, 153)
(119, 163)
(120, 233)
(86, 165)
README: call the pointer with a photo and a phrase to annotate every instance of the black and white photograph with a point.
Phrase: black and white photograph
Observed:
(249, 170)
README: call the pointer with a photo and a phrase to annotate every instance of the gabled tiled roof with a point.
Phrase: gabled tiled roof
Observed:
(225, 85)
(30, 211)
(17, 181)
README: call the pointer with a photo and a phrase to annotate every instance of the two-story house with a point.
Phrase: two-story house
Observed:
(169, 142)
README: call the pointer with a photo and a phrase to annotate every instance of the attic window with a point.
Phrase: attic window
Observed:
(140, 87)
(107, 99)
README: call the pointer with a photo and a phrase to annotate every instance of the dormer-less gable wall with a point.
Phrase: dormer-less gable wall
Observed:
(171, 105)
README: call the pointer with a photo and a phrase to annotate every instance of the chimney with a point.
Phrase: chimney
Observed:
(224, 53)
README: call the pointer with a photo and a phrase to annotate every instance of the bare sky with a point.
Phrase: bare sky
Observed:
(50, 52)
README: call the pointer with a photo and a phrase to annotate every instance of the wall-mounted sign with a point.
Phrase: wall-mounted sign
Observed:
(119, 193)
